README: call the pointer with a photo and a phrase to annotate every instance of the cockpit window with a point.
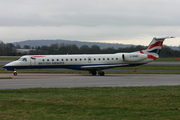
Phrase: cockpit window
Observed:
(20, 59)
(24, 59)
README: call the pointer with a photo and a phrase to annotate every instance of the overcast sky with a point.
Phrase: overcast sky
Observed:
(115, 21)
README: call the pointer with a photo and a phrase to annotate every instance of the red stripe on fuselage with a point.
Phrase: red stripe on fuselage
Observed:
(151, 57)
(36, 56)
(160, 43)
(141, 52)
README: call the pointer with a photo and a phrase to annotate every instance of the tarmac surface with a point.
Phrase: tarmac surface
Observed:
(86, 80)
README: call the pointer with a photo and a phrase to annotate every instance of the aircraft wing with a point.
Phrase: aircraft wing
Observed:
(103, 66)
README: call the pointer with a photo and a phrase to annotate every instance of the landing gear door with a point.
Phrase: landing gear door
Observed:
(32, 61)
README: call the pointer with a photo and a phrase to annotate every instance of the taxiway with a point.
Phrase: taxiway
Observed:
(85, 80)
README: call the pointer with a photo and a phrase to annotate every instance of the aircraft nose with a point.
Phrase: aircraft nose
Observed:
(4, 66)
(8, 66)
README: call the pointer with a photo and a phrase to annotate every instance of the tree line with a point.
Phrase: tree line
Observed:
(10, 49)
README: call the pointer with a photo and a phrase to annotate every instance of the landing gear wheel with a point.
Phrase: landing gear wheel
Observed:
(93, 72)
(15, 73)
(101, 73)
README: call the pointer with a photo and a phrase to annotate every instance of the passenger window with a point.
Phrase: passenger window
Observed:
(94, 59)
(57, 59)
(66, 59)
(71, 59)
(107, 58)
(42, 59)
(99, 59)
(52, 59)
(116, 58)
(47, 59)
(103, 58)
(75, 59)
(61, 59)
(112, 59)
(84, 58)
(80, 59)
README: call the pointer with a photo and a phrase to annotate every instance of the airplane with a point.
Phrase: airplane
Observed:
(90, 62)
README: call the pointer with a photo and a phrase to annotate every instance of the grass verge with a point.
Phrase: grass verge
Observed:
(167, 59)
(9, 57)
(5, 77)
(152, 67)
(113, 103)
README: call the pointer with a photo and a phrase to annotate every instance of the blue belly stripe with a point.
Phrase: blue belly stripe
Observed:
(74, 67)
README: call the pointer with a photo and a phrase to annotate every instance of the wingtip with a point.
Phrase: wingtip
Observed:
(164, 37)
(170, 37)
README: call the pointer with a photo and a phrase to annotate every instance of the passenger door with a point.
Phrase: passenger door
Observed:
(32, 61)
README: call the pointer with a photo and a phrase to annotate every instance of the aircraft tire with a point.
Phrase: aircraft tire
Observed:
(15, 73)
(102, 73)
(93, 72)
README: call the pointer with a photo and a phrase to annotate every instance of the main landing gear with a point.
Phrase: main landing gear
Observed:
(101, 73)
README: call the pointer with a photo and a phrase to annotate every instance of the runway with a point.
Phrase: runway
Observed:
(86, 80)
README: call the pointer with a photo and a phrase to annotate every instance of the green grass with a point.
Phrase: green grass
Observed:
(91, 103)
(152, 67)
(9, 57)
(5, 77)
(167, 59)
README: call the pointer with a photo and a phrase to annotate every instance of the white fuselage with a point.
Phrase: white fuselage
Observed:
(79, 62)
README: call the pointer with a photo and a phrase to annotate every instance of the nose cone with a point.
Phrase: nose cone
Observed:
(9, 65)
(5, 66)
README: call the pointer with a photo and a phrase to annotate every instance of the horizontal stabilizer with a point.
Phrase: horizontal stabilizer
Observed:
(163, 38)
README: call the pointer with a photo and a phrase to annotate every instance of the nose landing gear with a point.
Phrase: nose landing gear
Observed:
(15, 72)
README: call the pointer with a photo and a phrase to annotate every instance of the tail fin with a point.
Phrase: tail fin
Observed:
(154, 47)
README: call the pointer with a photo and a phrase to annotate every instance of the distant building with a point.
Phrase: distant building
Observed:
(24, 51)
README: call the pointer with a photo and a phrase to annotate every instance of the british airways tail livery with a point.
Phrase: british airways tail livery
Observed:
(90, 62)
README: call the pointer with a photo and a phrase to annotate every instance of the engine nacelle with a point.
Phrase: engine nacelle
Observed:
(133, 57)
